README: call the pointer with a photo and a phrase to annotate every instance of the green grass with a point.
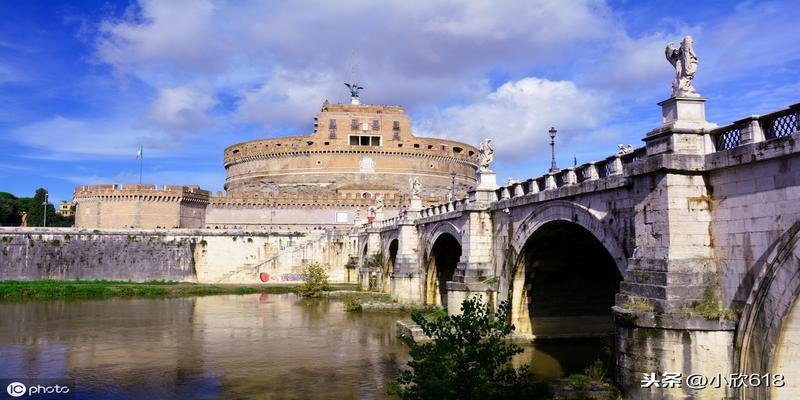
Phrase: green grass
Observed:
(99, 289)
(636, 303)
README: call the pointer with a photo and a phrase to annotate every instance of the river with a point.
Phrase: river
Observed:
(240, 346)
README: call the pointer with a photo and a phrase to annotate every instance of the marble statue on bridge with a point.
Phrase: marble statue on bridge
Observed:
(416, 187)
(684, 60)
(485, 155)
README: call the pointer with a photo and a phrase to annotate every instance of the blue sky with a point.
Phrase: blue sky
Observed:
(83, 84)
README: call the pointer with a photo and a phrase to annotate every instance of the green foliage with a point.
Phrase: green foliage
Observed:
(376, 261)
(596, 371)
(352, 303)
(711, 306)
(78, 289)
(9, 210)
(316, 280)
(359, 288)
(636, 303)
(580, 381)
(467, 358)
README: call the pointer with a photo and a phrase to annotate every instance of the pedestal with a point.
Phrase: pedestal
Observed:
(684, 128)
(416, 204)
(684, 113)
(487, 180)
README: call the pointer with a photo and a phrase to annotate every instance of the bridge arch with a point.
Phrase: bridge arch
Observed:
(565, 273)
(768, 338)
(442, 253)
(438, 230)
(562, 210)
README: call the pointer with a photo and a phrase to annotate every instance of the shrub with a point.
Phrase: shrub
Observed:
(352, 303)
(316, 280)
(467, 358)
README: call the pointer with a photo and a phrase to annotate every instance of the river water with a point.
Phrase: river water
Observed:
(249, 346)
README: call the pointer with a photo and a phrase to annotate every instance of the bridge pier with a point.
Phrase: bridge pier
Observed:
(407, 278)
(673, 270)
(474, 274)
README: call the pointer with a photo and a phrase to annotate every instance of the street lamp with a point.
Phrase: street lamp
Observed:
(44, 205)
(553, 167)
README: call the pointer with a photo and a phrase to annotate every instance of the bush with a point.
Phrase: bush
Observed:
(316, 280)
(467, 358)
(352, 303)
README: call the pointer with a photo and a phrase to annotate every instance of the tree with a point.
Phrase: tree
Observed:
(36, 211)
(9, 210)
(316, 280)
(467, 358)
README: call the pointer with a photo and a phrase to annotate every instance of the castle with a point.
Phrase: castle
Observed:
(357, 165)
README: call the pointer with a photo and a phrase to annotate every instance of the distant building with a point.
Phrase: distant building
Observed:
(66, 209)
(326, 179)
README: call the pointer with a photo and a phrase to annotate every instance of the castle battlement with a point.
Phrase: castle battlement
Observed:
(142, 192)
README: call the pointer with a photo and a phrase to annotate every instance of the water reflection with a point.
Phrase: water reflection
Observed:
(253, 346)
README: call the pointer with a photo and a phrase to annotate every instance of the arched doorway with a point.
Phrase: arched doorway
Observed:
(439, 269)
(564, 285)
(389, 268)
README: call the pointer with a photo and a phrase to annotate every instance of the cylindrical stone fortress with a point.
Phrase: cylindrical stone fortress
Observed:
(365, 150)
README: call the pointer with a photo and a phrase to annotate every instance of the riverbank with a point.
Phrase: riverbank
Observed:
(77, 289)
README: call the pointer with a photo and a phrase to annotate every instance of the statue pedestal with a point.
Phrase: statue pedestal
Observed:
(416, 204)
(487, 180)
(684, 128)
(379, 216)
(685, 113)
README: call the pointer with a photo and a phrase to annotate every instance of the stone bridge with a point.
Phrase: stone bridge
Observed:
(685, 251)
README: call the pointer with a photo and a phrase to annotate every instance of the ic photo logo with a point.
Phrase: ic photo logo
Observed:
(41, 389)
(16, 389)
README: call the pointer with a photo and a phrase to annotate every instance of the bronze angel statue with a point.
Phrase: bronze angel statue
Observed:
(354, 88)
(684, 60)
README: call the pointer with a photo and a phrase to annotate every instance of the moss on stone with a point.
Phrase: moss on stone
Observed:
(710, 307)
(638, 303)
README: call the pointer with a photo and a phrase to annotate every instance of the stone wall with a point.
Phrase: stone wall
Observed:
(180, 255)
(140, 206)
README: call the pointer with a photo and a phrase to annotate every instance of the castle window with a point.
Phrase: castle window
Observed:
(354, 124)
(396, 135)
(376, 125)
(332, 124)
(365, 140)
(332, 134)
(396, 125)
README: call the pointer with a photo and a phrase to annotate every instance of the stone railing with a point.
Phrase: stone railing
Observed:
(572, 176)
(444, 208)
(756, 128)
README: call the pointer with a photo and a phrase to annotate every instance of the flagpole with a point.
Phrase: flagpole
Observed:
(141, 159)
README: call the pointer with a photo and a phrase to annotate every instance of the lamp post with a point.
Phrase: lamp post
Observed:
(44, 205)
(553, 167)
(452, 186)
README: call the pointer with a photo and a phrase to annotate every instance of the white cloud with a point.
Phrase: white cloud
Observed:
(75, 139)
(288, 97)
(181, 108)
(518, 115)
(414, 52)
